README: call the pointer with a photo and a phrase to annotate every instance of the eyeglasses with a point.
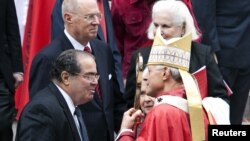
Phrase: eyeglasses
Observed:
(90, 77)
(91, 17)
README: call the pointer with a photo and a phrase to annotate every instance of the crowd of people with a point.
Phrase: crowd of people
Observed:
(83, 84)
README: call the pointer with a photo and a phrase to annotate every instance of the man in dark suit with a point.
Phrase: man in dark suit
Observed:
(106, 35)
(50, 115)
(11, 66)
(102, 115)
(225, 26)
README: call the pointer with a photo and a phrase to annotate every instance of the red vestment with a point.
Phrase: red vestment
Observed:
(165, 123)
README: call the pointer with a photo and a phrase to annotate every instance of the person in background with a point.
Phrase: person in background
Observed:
(225, 27)
(201, 55)
(11, 66)
(102, 115)
(105, 32)
(146, 101)
(131, 27)
(50, 115)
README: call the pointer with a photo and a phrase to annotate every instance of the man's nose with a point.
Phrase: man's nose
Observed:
(96, 20)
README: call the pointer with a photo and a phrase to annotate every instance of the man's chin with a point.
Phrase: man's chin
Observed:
(93, 35)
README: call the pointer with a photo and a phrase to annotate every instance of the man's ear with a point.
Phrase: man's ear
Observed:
(166, 73)
(65, 76)
(68, 17)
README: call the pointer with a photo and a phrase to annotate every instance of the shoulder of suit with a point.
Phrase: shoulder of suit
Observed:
(99, 42)
(51, 50)
(144, 50)
(200, 47)
(45, 97)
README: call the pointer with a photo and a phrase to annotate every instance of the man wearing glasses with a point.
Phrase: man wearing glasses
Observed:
(102, 115)
(105, 32)
(74, 78)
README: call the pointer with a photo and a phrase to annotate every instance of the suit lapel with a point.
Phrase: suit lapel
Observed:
(100, 33)
(54, 90)
(98, 53)
(66, 44)
(108, 20)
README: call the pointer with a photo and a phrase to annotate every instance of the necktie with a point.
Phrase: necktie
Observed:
(83, 131)
(87, 49)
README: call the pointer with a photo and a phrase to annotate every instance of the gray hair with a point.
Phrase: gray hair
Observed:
(70, 5)
(174, 72)
(180, 15)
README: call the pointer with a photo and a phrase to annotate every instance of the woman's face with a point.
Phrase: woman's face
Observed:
(167, 25)
(146, 102)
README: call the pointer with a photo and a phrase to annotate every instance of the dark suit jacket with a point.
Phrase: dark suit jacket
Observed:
(205, 12)
(58, 27)
(47, 117)
(10, 44)
(225, 26)
(201, 55)
(101, 117)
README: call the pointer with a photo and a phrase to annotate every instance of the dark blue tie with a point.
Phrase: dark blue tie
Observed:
(83, 130)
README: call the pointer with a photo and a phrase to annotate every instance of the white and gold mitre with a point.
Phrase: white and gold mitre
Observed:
(174, 52)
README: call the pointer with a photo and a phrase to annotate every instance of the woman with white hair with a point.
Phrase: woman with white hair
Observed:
(175, 20)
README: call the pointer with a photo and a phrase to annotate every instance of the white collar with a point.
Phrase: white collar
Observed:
(75, 43)
(175, 101)
(67, 99)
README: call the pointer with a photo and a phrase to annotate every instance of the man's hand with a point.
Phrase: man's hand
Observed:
(18, 78)
(129, 118)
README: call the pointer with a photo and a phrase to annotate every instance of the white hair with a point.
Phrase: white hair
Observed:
(69, 6)
(174, 72)
(72, 5)
(180, 15)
